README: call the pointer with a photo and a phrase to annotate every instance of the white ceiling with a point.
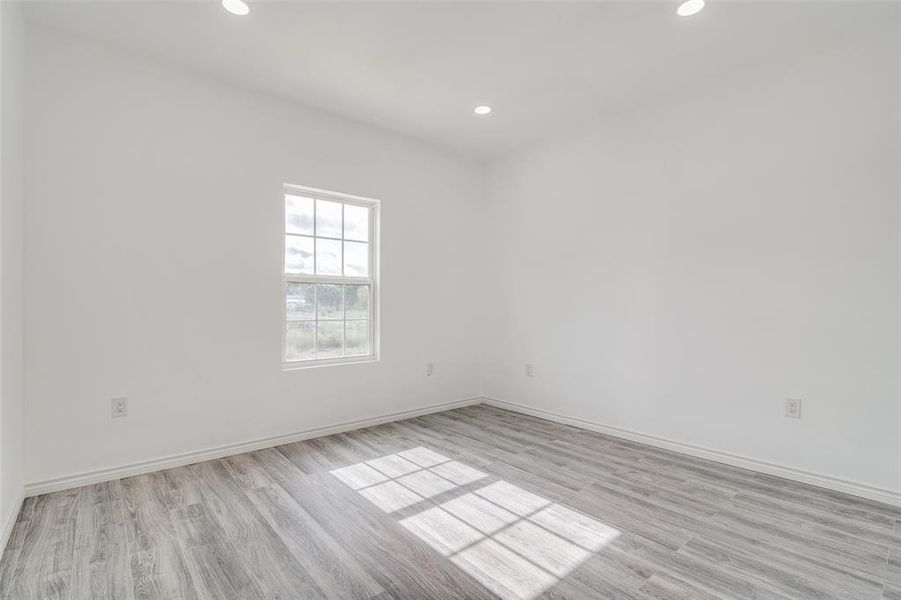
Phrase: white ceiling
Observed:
(420, 67)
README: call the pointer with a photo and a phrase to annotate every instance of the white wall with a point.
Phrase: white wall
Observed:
(12, 195)
(154, 255)
(676, 271)
(680, 270)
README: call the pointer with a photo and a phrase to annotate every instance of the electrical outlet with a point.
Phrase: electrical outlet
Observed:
(119, 407)
(793, 408)
(429, 369)
(530, 370)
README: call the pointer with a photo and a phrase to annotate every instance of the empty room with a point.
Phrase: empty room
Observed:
(430, 299)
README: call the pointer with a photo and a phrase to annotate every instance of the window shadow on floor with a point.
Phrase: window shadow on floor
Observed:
(515, 543)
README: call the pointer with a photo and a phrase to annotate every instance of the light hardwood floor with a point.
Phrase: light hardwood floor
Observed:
(471, 503)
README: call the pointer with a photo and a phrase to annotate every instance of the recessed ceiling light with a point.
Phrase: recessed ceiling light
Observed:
(690, 7)
(236, 7)
(483, 109)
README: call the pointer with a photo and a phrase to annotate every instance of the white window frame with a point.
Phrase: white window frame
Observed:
(372, 280)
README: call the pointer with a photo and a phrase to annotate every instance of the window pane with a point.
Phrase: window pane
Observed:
(356, 259)
(331, 302)
(298, 214)
(331, 239)
(356, 222)
(300, 300)
(328, 257)
(356, 301)
(328, 218)
(357, 338)
(298, 254)
(330, 339)
(299, 340)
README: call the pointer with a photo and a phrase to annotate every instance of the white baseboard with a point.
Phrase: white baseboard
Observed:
(47, 486)
(10, 520)
(824, 481)
(139, 468)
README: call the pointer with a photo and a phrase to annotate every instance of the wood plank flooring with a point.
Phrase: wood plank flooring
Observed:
(471, 503)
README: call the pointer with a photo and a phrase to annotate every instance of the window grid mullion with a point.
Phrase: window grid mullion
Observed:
(342, 240)
(321, 237)
(315, 286)
(315, 207)
(315, 316)
(343, 303)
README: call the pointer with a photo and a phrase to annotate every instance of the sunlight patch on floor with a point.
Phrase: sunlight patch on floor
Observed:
(515, 543)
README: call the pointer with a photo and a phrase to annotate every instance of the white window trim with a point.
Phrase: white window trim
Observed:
(372, 280)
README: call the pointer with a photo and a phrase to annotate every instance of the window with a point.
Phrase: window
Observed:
(330, 278)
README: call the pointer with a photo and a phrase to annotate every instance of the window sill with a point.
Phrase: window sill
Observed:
(297, 365)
